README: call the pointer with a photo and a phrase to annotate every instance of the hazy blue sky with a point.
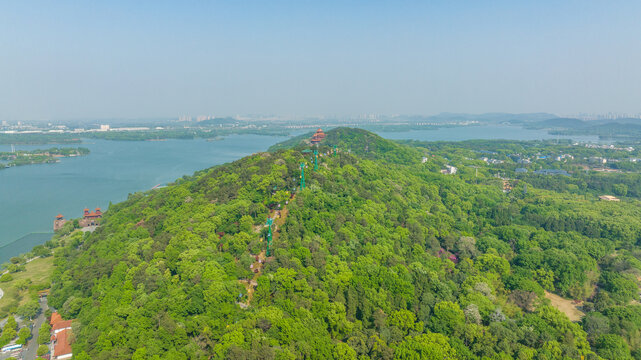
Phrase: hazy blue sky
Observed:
(128, 59)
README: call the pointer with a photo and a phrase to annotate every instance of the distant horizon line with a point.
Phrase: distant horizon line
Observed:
(361, 116)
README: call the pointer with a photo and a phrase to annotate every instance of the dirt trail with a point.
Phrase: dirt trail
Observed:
(250, 285)
(566, 306)
(279, 217)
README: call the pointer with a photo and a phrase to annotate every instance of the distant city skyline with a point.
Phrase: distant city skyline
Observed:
(147, 59)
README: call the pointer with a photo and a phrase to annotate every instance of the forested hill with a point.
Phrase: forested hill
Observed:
(380, 256)
(358, 142)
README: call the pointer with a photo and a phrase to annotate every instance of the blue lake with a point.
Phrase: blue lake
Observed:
(460, 133)
(32, 195)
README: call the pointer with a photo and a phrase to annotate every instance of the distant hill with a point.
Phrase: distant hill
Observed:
(559, 123)
(613, 130)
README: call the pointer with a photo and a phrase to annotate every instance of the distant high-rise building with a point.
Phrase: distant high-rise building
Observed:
(204, 117)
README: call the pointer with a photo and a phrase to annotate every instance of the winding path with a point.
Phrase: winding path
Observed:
(279, 217)
(1, 293)
(31, 348)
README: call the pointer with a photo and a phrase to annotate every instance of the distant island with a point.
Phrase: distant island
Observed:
(28, 157)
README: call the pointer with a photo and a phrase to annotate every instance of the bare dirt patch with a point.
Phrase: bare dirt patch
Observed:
(567, 306)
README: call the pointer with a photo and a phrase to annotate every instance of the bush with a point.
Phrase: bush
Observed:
(6, 278)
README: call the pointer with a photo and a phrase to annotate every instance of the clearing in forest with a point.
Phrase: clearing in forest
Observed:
(566, 306)
(279, 217)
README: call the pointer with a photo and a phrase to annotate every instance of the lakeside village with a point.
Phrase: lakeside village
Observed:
(89, 221)
(53, 337)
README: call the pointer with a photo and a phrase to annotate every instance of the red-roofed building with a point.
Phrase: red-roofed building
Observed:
(318, 136)
(93, 214)
(55, 318)
(61, 326)
(59, 222)
(60, 337)
(62, 345)
(90, 218)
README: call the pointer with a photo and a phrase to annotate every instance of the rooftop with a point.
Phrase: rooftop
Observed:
(62, 346)
(609, 198)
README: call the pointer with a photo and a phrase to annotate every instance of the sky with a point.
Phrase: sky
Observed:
(145, 59)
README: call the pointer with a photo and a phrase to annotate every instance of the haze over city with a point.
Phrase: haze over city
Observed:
(76, 60)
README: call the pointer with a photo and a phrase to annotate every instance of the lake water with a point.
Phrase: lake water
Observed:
(460, 133)
(32, 195)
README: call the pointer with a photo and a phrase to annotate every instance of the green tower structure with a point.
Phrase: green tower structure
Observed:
(335, 151)
(269, 223)
(302, 176)
(315, 159)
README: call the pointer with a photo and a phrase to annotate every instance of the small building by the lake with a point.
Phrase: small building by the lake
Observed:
(90, 218)
(59, 222)
(609, 198)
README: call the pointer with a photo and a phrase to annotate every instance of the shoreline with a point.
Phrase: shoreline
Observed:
(23, 245)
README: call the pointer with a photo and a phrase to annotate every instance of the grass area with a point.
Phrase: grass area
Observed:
(37, 271)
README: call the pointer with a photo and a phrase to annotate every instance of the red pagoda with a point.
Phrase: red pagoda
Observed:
(318, 136)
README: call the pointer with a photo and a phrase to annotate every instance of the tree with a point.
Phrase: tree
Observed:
(610, 346)
(342, 351)
(428, 346)
(23, 284)
(23, 335)
(44, 333)
(448, 318)
(404, 320)
(42, 350)
(29, 310)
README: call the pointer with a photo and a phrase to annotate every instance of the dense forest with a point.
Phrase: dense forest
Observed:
(379, 256)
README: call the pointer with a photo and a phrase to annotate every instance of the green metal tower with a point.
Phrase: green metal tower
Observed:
(315, 159)
(335, 151)
(302, 176)
(269, 223)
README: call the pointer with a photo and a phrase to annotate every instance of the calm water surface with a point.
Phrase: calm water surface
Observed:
(460, 133)
(32, 195)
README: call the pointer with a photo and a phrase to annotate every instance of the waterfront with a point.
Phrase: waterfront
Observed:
(32, 195)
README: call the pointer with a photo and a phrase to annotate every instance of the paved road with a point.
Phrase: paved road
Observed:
(31, 348)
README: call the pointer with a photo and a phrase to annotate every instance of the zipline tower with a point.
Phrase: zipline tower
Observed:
(302, 176)
(269, 223)
(315, 159)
